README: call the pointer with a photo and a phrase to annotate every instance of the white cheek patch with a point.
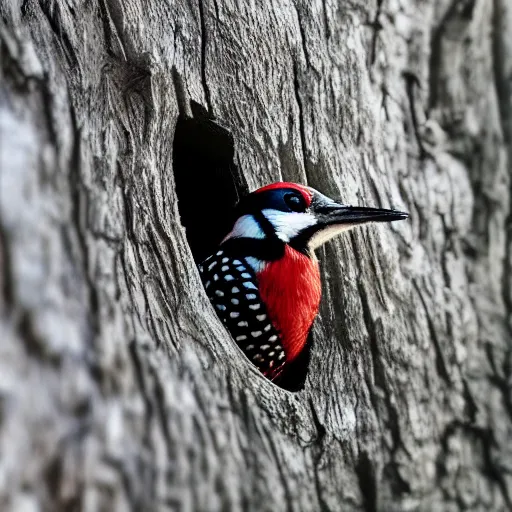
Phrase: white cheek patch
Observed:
(322, 236)
(289, 224)
(246, 226)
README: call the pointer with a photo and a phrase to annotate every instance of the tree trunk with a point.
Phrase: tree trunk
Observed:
(121, 121)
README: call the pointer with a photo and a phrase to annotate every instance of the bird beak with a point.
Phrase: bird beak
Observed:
(333, 218)
(354, 215)
(329, 213)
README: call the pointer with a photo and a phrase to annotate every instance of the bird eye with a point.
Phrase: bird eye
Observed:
(295, 202)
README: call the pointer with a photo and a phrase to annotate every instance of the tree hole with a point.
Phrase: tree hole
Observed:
(208, 183)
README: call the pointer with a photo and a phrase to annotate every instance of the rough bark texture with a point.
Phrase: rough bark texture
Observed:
(119, 387)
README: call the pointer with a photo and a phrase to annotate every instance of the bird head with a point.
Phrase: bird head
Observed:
(300, 216)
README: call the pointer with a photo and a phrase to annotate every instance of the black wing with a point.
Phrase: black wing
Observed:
(232, 287)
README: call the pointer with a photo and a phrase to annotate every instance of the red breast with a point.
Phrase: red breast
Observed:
(290, 288)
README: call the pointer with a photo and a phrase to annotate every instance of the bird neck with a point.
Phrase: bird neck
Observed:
(290, 288)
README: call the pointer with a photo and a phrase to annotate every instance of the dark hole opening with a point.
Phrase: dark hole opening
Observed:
(208, 183)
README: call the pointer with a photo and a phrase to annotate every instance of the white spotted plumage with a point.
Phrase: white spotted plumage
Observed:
(231, 285)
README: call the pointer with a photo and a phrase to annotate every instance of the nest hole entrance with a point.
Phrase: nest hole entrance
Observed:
(208, 183)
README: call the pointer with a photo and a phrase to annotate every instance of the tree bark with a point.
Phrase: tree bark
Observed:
(120, 388)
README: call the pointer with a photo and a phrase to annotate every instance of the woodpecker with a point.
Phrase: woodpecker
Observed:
(264, 279)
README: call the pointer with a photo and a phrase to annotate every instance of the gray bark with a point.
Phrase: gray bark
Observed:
(119, 387)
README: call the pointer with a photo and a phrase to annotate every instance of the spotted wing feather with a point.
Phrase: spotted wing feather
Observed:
(232, 287)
